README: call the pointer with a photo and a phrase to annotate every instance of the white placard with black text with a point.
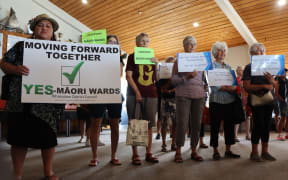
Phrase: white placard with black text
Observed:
(71, 73)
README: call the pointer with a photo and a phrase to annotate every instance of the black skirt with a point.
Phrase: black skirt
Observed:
(26, 130)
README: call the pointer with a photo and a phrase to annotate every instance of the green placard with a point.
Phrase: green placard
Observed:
(94, 37)
(143, 55)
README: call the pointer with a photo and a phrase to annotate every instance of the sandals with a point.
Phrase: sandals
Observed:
(173, 147)
(203, 146)
(93, 163)
(164, 148)
(150, 158)
(53, 177)
(136, 161)
(178, 158)
(216, 156)
(115, 162)
(196, 157)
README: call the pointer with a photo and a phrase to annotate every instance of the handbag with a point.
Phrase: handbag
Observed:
(263, 100)
(137, 132)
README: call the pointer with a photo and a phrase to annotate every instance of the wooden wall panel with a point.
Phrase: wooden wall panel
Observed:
(168, 21)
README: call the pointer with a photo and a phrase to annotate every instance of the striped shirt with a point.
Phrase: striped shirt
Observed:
(192, 88)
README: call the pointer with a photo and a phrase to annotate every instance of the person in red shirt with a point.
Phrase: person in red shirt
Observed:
(142, 91)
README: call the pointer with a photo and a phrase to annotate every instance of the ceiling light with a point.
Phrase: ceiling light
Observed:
(281, 2)
(139, 12)
(84, 1)
(195, 24)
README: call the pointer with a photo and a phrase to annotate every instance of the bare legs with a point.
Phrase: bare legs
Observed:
(95, 133)
(114, 124)
(18, 155)
(47, 158)
(82, 130)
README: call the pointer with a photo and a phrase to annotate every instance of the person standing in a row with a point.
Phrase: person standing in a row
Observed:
(30, 125)
(114, 112)
(141, 91)
(259, 86)
(190, 100)
(221, 106)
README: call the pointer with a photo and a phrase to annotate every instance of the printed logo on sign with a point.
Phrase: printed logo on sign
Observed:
(70, 76)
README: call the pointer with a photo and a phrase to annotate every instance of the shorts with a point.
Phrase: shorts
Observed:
(97, 110)
(276, 107)
(283, 109)
(148, 109)
(168, 112)
(83, 114)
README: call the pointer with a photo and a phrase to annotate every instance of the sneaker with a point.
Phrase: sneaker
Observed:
(255, 158)
(157, 136)
(280, 138)
(230, 154)
(268, 157)
(237, 140)
(87, 143)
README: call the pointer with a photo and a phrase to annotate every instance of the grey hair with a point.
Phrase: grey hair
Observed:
(253, 48)
(218, 46)
(140, 36)
(238, 67)
(189, 39)
(170, 58)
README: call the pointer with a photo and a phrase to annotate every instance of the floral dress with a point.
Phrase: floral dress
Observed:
(46, 112)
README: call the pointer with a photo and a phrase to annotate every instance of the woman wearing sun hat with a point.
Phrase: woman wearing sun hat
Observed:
(30, 125)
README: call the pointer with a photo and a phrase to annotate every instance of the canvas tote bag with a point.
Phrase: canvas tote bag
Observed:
(137, 132)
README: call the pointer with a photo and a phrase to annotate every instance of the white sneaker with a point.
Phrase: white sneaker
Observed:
(87, 143)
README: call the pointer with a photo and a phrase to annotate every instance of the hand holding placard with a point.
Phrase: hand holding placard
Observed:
(188, 62)
(274, 64)
(221, 77)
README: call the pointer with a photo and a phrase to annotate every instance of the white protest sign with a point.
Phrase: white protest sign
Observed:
(71, 73)
(274, 64)
(188, 62)
(221, 77)
(165, 70)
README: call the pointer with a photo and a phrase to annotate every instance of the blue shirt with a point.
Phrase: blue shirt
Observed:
(217, 95)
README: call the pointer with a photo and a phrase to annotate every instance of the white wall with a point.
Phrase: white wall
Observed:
(28, 9)
(238, 56)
